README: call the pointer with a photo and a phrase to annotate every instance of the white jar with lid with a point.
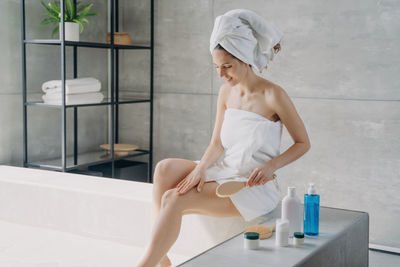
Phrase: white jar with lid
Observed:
(282, 232)
(251, 240)
(298, 239)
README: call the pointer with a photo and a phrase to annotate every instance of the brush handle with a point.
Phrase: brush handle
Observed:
(275, 182)
(232, 187)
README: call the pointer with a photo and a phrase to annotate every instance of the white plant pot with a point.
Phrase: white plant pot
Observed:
(71, 31)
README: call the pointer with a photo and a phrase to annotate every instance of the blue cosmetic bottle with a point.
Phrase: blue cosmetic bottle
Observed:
(311, 211)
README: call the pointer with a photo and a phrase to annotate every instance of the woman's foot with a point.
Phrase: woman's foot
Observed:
(165, 262)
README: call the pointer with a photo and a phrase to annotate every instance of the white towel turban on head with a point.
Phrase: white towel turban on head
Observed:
(247, 36)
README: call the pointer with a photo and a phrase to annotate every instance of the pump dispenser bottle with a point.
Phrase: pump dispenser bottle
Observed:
(291, 211)
(311, 211)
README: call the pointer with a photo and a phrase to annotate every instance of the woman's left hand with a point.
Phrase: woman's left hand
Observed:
(261, 175)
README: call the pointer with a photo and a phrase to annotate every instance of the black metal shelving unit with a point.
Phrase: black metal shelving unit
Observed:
(76, 161)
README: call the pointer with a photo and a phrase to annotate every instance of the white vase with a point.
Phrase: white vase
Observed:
(71, 31)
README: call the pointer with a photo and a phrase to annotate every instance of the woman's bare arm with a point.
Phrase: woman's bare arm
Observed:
(284, 107)
(215, 149)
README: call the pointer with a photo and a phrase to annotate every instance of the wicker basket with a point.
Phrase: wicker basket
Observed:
(120, 38)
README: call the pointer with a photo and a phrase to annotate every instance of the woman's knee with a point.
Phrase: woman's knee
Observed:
(170, 198)
(161, 169)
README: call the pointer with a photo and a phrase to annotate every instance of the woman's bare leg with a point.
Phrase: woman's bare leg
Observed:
(173, 207)
(168, 173)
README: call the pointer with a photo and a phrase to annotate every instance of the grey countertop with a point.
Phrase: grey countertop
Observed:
(334, 223)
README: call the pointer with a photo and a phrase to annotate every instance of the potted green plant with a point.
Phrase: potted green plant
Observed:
(75, 16)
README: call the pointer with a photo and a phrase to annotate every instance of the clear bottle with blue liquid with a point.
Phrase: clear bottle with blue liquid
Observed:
(311, 211)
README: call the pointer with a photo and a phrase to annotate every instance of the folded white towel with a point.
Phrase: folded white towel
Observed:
(73, 86)
(73, 99)
(247, 36)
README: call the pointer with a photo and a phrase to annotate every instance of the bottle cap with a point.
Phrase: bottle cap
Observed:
(282, 225)
(298, 235)
(291, 190)
(311, 189)
(252, 235)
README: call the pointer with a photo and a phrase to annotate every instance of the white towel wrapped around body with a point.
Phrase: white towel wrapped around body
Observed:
(247, 36)
(249, 141)
(73, 86)
(73, 99)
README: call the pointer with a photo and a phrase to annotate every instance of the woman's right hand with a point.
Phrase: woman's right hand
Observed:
(196, 177)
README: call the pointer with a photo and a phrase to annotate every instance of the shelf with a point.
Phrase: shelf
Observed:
(84, 160)
(133, 94)
(85, 44)
(106, 101)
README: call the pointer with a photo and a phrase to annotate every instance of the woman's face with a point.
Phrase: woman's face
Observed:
(228, 67)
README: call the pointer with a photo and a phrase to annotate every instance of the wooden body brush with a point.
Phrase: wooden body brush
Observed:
(229, 188)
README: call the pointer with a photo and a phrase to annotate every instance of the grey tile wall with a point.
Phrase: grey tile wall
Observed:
(10, 132)
(182, 60)
(182, 126)
(354, 159)
(135, 19)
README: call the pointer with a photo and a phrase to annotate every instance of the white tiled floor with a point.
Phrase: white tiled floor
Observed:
(379, 259)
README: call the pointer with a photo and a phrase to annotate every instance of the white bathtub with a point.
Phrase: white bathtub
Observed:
(53, 219)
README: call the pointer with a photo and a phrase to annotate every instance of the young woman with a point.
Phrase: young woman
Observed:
(250, 113)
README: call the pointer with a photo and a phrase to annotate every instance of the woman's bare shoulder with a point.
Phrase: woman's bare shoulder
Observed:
(224, 88)
(272, 91)
(224, 92)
